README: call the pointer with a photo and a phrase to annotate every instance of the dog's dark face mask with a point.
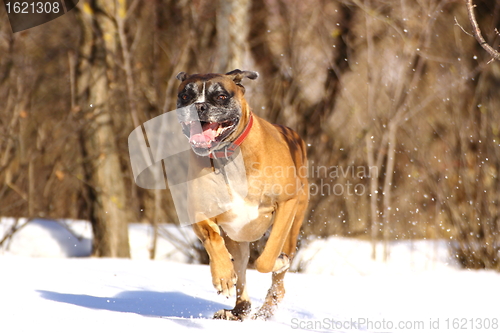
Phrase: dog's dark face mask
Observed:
(209, 107)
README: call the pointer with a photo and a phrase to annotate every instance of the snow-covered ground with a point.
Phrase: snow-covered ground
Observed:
(48, 283)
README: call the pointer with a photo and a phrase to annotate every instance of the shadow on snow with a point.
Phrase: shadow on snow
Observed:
(146, 303)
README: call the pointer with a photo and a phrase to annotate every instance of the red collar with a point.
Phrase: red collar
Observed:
(229, 150)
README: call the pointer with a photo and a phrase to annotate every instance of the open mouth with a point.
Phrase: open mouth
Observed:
(207, 135)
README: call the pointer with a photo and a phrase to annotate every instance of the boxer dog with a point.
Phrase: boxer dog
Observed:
(275, 168)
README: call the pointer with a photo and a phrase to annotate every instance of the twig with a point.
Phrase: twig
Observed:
(66, 226)
(15, 227)
(458, 24)
(477, 32)
(132, 8)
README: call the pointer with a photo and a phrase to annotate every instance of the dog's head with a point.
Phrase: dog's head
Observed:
(212, 109)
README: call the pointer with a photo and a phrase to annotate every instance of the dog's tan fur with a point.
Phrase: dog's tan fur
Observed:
(275, 158)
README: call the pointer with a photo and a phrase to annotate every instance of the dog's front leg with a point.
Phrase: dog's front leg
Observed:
(221, 266)
(271, 259)
(241, 253)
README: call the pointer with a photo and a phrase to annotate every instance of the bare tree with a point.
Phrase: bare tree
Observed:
(104, 174)
(388, 86)
(232, 33)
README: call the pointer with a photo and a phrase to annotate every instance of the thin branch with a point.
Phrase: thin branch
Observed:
(460, 26)
(68, 228)
(15, 227)
(477, 32)
(132, 8)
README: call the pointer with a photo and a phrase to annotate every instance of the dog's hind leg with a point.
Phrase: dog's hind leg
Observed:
(274, 296)
(277, 290)
(240, 252)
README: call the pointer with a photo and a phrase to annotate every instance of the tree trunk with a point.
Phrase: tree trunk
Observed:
(109, 209)
(232, 34)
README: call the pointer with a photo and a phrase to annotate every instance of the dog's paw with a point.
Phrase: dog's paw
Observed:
(224, 281)
(225, 314)
(240, 312)
(282, 263)
(264, 313)
(274, 296)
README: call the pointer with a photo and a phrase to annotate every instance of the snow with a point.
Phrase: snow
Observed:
(69, 238)
(48, 283)
(352, 257)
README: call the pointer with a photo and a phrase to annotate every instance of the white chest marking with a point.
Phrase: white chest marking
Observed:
(240, 215)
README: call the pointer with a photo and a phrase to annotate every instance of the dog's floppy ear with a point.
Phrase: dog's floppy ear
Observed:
(182, 76)
(238, 75)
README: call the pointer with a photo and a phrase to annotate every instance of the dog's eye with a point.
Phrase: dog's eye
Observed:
(184, 97)
(221, 97)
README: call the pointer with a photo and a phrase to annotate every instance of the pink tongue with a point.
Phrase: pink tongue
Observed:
(208, 134)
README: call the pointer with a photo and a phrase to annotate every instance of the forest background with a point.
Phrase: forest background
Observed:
(398, 105)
